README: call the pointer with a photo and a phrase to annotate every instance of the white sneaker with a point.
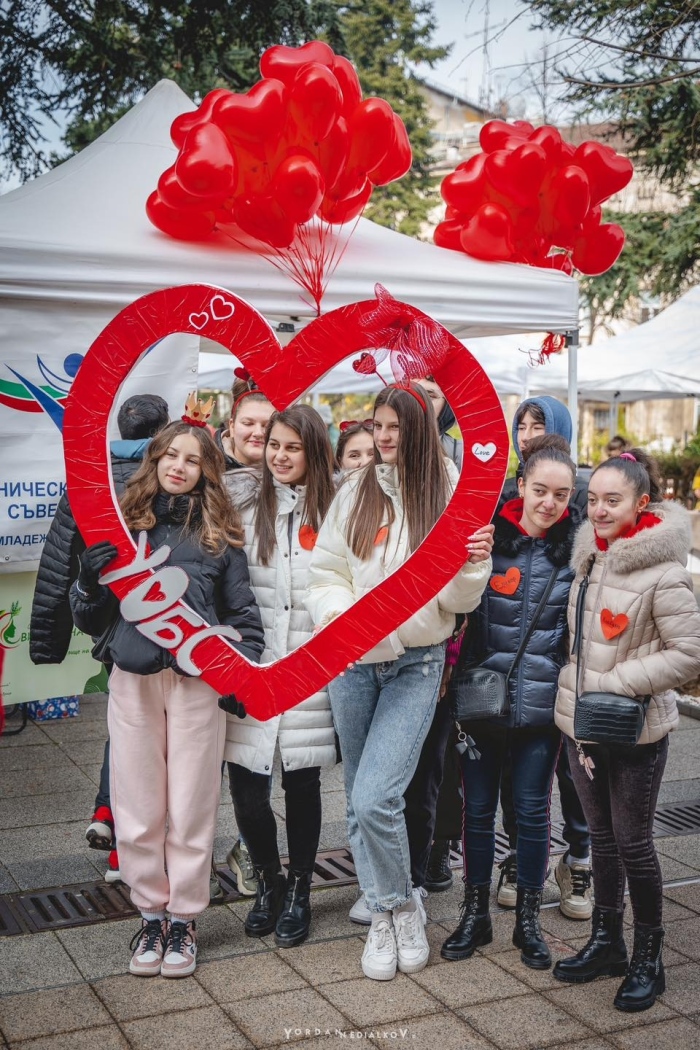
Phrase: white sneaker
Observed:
(360, 913)
(411, 943)
(180, 958)
(574, 881)
(419, 895)
(379, 956)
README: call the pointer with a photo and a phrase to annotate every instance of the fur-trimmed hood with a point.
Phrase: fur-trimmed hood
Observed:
(559, 541)
(669, 541)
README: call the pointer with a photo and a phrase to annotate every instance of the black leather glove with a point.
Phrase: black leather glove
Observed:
(92, 561)
(231, 706)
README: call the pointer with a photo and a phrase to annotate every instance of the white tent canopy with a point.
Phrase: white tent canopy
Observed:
(80, 234)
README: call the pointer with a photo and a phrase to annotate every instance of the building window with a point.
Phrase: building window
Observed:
(601, 418)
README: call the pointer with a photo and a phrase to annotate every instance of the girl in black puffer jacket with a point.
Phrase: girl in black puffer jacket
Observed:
(167, 732)
(532, 546)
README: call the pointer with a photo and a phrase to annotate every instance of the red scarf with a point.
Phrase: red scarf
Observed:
(646, 520)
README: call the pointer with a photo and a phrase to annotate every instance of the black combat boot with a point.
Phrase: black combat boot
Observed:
(295, 919)
(645, 976)
(439, 876)
(262, 917)
(604, 955)
(527, 934)
(474, 928)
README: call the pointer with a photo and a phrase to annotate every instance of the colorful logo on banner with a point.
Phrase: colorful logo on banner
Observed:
(154, 600)
(28, 396)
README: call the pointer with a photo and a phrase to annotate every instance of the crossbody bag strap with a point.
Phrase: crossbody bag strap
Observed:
(577, 647)
(533, 622)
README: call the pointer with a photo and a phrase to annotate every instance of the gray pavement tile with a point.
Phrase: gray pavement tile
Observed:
(285, 1017)
(54, 871)
(538, 980)
(562, 928)
(101, 950)
(684, 765)
(598, 1043)
(93, 706)
(678, 791)
(444, 907)
(443, 1030)
(92, 771)
(593, 1005)
(83, 752)
(76, 730)
(7, 883)
(524, 1023)
(684, 936)
(685, 848)
(128, 998)
(334, 834)
(42, 780)
(28, 812)
(470, 981)
(105, 1038)
(232, 980)
(184, 1030)
(334, 807)
(503, 923)
(682, 989)
(50, 1011)
(687, 723)
(326, 961)
(45, 840)
(688, 896)
(220, 935)
(672, 869)
(32, 734)
(678, 1034)
(369, 1003)
(35, 961)
(35, 756)
(672, 912)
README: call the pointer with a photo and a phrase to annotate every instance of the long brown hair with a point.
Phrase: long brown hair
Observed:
(422, 474)
(313, 434)
(638, 467)
(211, 520)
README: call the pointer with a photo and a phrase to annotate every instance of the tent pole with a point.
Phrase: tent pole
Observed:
(572, 397)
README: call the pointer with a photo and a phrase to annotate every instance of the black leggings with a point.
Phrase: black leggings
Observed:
(256, 821)
(619, 804)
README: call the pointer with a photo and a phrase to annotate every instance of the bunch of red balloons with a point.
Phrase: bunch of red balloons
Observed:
(530, 197)
(302, 143)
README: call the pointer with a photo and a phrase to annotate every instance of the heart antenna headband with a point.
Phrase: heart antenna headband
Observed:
(197, 412)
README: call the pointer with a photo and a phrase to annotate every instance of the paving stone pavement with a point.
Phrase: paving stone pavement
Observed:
(70, 989)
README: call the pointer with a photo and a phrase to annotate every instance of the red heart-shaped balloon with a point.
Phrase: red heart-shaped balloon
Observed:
(298, 188)
(251, 118)
(260, 216)
(184, 122)
(571, 195)
(316, 101)
(497, 134)
(607, 171)
(517, 173)
(489, 234)
(346, 75)
(205, 166)
(598, 251)
(464, 188)
(284, 63)
(285, 375)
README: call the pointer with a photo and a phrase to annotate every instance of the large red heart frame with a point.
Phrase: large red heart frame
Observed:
(284, 374)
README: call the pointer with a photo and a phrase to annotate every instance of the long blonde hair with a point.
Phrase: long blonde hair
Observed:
(211, 519)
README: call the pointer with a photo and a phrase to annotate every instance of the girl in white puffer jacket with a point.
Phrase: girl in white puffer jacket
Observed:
(282, 508)
(383, 705)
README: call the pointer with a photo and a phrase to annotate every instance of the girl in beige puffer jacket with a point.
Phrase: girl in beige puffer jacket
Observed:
(640, 637)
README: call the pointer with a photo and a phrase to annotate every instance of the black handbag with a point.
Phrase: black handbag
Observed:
(603, 718)
(478, 692)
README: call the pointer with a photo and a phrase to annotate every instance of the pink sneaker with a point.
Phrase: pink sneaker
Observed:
(148, 945)
(180, 959)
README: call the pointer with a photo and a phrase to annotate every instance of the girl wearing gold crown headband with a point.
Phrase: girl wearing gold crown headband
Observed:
(167, 732)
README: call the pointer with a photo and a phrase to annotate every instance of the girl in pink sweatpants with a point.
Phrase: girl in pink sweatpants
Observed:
(166, 729)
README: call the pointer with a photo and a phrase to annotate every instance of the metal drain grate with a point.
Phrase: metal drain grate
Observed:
(61, 907)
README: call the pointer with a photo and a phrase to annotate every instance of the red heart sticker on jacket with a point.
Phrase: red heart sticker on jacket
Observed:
(285, 375)
(613, 625)
(307, 537)
(507, 584)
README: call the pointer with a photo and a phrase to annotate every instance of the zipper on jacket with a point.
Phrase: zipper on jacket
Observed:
(290, 530)
(523, 629)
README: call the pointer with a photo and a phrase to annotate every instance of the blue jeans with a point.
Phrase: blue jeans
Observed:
(382, 714)
(532, 753)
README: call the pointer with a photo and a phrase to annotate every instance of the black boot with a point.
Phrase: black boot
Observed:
(262, 917)
(527, 934)
(605, 954)
(645, 976)
(474, 928)
(294, 922)
(439, 876)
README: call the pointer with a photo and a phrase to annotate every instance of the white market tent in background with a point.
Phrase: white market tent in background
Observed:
(76, 247)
